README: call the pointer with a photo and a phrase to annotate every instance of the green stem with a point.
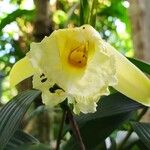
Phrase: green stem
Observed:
(61, 129)
(84, 12)
(131, 130)
(92, 20)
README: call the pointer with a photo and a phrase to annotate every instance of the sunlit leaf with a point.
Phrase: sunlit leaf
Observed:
(12, 17)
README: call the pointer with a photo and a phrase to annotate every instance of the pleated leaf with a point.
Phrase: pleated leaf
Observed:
(20, 138)
(143, 131)
(34, 147)
(12, 113)
(111, 105)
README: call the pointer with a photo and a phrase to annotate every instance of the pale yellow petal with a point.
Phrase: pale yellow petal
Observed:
(83, 66)
(50, 95)
(85, 84)
(20, 71)
(53, 99)
(99, 74)
(131, 81)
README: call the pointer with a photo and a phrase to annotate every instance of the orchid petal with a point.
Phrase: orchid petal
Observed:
(20, 71)
(131, 81)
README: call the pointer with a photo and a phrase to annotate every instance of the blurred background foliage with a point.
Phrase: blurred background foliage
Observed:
(19, 27)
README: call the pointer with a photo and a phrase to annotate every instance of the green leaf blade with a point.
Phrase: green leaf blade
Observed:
(12, 113)
(111, 105)
(100, 128)
(12, 17)
(143, 131)
(20, 138)
(112, 111)
(84, 12)
(143, 66)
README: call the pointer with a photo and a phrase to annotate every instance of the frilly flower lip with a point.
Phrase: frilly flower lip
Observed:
(76, 64)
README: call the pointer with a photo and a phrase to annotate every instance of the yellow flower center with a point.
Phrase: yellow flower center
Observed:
(78, 57)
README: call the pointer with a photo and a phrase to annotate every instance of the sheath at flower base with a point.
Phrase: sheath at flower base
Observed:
(82, 65)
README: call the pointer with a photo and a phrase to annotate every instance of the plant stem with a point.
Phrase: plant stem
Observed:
(61, 129)
(75, 128)
(142, 113)
(92, 20)
(84, 11)
(131, 130)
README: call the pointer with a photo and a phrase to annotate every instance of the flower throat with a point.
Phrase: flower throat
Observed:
(78, 57)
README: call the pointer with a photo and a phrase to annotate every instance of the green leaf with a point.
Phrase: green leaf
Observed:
(39, 110)
(1, 81)
(93, 11)
(111, 105)
(143, 131)
(143, 66)
(12, 113)
(116, 10)
(113, 144)
(20, 138)
(136, 145)
(112, 111)
(12, 17)
(96, 131)
(33, 147)
(84, 12)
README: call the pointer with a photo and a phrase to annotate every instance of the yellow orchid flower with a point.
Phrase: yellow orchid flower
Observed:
(76, 64)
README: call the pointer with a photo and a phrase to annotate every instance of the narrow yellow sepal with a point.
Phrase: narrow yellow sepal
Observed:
(20, 71)
(131, 81)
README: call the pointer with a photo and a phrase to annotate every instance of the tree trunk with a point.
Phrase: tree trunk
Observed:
(140, 23)
(42, 26)
(41, 29)
(139, 12)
